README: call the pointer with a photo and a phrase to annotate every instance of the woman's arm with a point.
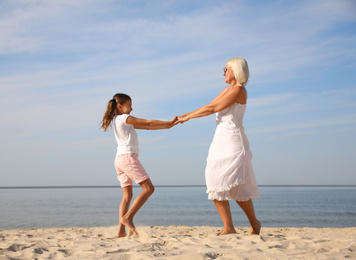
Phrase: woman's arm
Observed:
(221, 102)
(216, 98)
(140, 123)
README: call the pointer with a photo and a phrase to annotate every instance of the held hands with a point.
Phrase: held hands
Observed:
(178, 120)
(174, 122)
(183, 118)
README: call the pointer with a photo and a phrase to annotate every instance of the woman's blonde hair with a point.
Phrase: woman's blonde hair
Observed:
(240, 68)
(112, 111)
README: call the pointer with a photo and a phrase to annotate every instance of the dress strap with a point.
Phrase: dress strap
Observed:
(226, 90)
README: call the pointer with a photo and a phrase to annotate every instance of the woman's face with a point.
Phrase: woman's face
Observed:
(229, 74)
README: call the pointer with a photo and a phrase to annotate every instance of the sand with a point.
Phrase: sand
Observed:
(178, 242)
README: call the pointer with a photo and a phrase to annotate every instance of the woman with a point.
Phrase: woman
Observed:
(229, 173)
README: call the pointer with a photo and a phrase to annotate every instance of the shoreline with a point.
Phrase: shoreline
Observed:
(178, 242)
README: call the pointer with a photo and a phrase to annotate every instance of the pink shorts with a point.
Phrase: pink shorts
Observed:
(129, 168)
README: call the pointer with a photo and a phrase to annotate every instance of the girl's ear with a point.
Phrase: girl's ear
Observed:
(118, 107)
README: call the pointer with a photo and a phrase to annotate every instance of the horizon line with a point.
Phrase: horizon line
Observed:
(169, 185)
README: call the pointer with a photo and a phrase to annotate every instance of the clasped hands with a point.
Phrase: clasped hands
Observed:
(179, 119)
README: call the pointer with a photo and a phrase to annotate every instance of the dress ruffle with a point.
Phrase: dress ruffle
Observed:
(240, 191)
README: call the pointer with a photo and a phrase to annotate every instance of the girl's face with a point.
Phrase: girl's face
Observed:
(125, 108)
(229, 75)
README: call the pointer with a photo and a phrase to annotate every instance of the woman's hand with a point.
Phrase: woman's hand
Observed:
(183, 118)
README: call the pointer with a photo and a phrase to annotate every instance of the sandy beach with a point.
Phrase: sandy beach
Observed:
(178, 242)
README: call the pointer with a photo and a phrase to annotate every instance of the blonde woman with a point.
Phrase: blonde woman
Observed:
(229, 174)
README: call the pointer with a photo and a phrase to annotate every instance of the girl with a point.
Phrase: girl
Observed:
(127, 165)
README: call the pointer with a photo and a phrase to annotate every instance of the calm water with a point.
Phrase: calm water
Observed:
(279, 206)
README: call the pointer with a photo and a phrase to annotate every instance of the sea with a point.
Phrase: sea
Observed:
(279, 206)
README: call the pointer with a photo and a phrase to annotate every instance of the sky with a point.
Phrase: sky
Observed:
(61, 61)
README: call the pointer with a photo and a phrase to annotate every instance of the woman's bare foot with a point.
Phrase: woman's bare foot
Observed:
(255, 230)
(227, 232)
(129, 223)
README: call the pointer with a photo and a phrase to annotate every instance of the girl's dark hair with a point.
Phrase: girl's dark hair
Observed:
(112, 111)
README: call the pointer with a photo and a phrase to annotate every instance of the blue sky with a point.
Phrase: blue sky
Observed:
(61, 61)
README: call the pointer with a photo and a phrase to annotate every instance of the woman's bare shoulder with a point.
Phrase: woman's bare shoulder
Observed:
(242, 96)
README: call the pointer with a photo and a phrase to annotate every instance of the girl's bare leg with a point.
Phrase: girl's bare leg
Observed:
(223, 208)
(248, 208)
(147, 190)
(124, 207)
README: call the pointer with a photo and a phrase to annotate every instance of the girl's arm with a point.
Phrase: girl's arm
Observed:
(221, 102)
(140, 123)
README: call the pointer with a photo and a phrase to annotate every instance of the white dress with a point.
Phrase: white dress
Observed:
(229, 174)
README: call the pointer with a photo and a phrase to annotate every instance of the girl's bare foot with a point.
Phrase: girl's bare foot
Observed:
(129, 223)
(227, 232)
(255, 230)
(122, 231)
